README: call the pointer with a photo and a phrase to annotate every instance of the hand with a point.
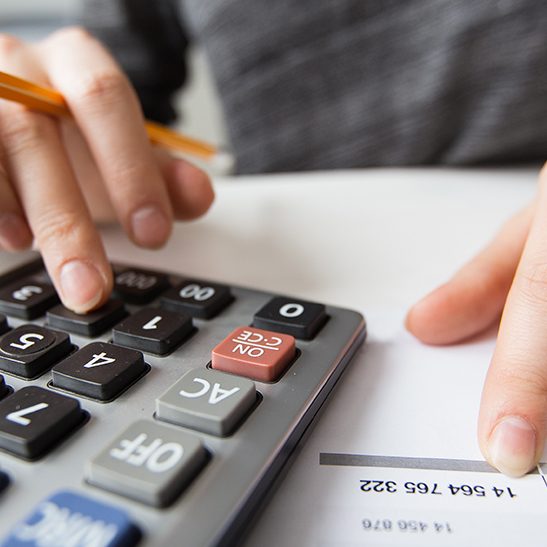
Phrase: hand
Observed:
(56, 176)
(508, 278)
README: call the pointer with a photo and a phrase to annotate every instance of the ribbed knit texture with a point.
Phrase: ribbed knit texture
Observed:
(351, 83)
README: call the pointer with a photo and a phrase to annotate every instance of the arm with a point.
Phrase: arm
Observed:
(149, 42)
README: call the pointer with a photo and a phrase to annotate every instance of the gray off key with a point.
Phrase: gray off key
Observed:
(208, 401)
(148, 462)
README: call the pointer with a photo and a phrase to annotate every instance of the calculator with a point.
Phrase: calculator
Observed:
(162, 418)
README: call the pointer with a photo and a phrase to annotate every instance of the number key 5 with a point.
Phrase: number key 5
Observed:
(30, 350)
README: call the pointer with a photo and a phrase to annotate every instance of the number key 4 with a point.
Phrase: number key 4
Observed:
(99, 370)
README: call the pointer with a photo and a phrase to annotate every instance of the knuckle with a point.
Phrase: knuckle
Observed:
(106, 86)
(74, 33)
(132, 170)
(56, 226)
(8, 44)
(23, 129)
(527, 379)
(130, 181)
(533, 283)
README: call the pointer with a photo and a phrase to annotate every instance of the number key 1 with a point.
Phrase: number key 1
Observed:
(153, 330)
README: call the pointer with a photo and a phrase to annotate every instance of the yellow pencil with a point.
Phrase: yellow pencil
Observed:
(50, 101)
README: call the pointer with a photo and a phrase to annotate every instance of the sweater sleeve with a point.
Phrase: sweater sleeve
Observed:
(148, 39)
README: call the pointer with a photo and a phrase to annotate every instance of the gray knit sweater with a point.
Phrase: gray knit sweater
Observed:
(320, 84)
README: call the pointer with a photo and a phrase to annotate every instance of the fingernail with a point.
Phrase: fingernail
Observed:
(14, 233)
(512, 446)
(150, 226)
(82, 286)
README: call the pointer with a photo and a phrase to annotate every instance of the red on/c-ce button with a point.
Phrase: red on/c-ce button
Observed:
(255, 353)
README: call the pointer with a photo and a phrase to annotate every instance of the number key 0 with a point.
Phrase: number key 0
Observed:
(298, 318)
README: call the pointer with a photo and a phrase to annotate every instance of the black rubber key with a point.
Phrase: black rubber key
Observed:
(4, 481)
(99, 370)
(89, 324)
(3, 324)
(198, 298)
(153, 330)
(27, 298)
(4, 389)
(298, 318)
(136, 286)
(30, 350)
(33, 420)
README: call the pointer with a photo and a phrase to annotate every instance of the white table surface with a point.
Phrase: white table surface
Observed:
(368, 239)
(377, 237)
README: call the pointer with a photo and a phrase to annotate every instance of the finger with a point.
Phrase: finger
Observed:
(86, 172)
(107, 111)
(44, 182)
(512, 419)
(474, 298)
(190, 189)
(14, 231)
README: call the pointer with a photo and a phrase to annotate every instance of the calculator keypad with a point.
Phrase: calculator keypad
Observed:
(203, 435)
(197, 298)
(254, 353)
(99, 370)
(90, 324)
(27, 299)
(153, 330)
(148, 462)
(208, 401)
(29, 350)
(33, 420)
(298, 318)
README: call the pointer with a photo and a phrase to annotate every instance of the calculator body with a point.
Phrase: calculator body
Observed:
(239, 470)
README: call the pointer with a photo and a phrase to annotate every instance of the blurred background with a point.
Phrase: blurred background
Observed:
(198, 105)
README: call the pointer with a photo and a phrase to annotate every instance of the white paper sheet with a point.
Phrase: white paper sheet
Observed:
(394, 458)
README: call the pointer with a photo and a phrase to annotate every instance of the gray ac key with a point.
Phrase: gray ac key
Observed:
(207, 400)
